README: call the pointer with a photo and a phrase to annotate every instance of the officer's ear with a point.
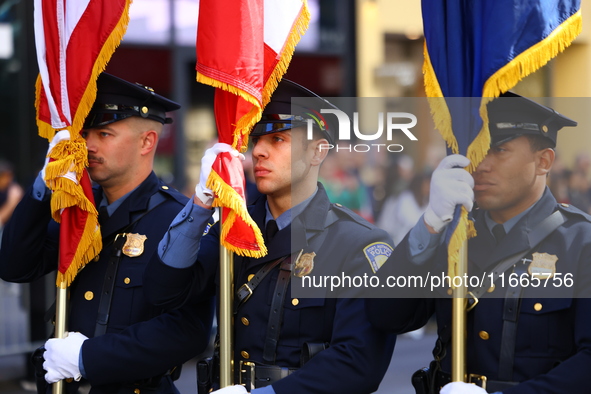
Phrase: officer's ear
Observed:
(545, 159)
(149, 141)
(320, 151)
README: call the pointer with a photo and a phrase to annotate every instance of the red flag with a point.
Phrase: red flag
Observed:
(74, 41)
(243, 49)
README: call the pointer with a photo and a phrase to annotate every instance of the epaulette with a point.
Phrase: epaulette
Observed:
(343, 211)
(172, 192)
(571, 210)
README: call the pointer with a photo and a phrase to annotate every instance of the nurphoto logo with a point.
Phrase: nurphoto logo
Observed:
(395, 122)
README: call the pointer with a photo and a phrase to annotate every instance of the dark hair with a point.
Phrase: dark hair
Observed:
(317, 134)
(538, 143)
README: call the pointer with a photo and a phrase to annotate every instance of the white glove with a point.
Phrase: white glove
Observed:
(236, 389)
(201, 191)
(449, 187)
(62, 356)
(63, 135)
(462, 388)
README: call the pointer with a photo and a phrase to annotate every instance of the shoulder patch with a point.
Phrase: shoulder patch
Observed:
(213, 221)
(377, 253)
(208, 227)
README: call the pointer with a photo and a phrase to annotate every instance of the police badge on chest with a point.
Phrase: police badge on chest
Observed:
(134, 245)
(542, 265)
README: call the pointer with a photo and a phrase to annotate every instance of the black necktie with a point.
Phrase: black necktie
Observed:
(499, 232)
(271, 229)
(103, 214)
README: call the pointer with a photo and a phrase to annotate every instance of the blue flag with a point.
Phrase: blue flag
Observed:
(476, 50)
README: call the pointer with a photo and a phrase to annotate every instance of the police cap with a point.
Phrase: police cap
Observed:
(511, 116)
(280, 114)
(117, 99)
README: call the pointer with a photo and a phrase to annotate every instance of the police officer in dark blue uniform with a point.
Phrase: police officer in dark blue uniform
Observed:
(296, 345)
(530, 331)
(118, 342)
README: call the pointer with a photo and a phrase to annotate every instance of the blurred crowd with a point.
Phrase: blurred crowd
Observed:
(571, 185)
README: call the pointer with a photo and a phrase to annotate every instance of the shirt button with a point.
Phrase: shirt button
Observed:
(89, 295)
(537, 307)
(190, 219)
(245, 354)
(163, 247)
(483, 335)
(39, 194)
(421, 246)
(184, 214)
(245, 321)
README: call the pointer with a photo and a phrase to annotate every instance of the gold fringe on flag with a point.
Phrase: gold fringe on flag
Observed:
(88, 245)
(226, 196)
(72, 156)
(501, 81)
(244, 124)
(297, 31)
(89, 96)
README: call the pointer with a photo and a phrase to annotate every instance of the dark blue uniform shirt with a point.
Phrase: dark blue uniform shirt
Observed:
(357, 356)
(141, 341)
(553, 338)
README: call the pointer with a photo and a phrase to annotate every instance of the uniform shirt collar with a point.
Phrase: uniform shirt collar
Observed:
(112, 207)
(508, 225)
(285, 218)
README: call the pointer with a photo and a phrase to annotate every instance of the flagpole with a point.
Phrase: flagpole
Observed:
(458, 337)
(61, 321)
(226, 315)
